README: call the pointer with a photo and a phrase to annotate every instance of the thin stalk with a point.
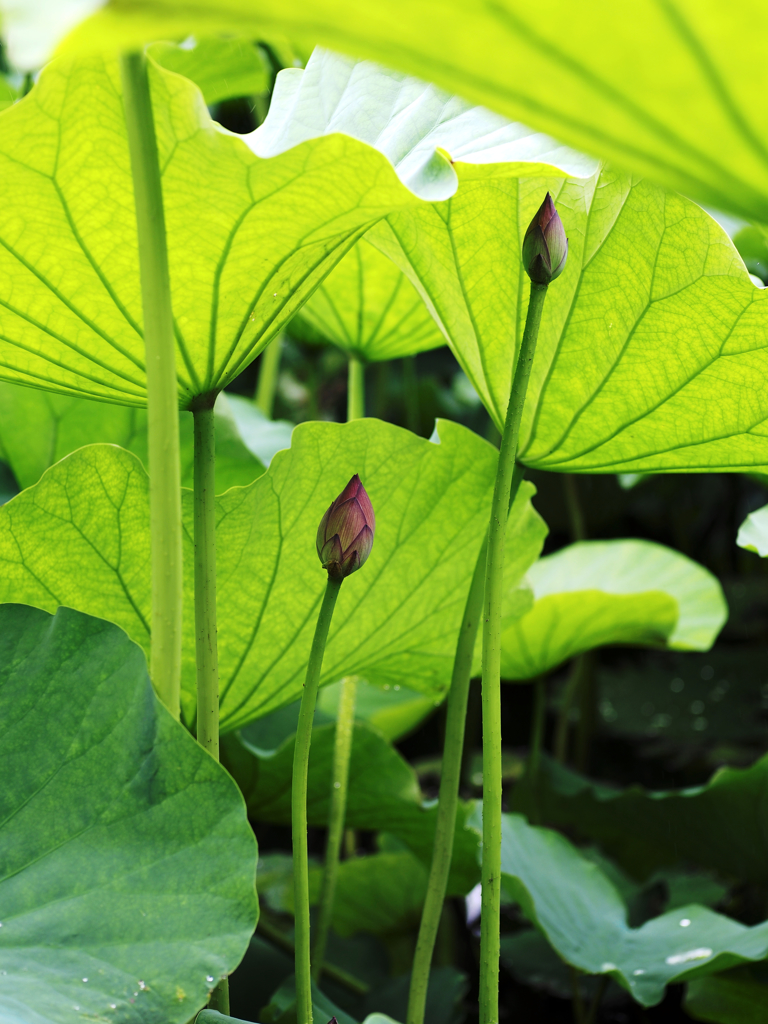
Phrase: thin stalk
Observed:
(575, 514)
(206, 644)
(411, 391)
(331, 971)
(594, 1006)
(494, 591)
(206, 647)
(577, 999)
(269, 368)
(342, 750)
(355, 389)
(162, 398)
(299, 804)
(537, 742)
(450, 775)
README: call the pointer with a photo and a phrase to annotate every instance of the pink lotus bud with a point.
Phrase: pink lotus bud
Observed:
(545, 247)
(345, 534)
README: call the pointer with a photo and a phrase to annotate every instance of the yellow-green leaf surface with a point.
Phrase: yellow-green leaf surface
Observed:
(654, 343)
(753, 532)
(611, 592)
(38, 428)
(221, 68)
(368, 308)
(248, 238)
(673, 91)
(128, 863)
(80, 537)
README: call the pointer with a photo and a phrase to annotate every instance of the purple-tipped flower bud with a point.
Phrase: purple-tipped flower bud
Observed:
(545, 247)
(345, 534)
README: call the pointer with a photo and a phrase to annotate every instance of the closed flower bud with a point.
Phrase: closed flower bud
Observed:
(345, 534)
(545, 247)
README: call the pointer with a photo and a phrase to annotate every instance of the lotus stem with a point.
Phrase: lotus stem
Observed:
(342, 750)
(269, 368)
(206, 648)
(299, 803)
(491, 692)
(355, 389)
(450, 776)
(162, 397)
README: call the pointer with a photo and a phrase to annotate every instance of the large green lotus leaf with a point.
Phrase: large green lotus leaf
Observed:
(719, 826)
(654, 344)
(128, 867)
(384, 793)
(248, 238)
(221, 68)
(369, 309)
(611, 592)
(753, 532)
(38, 428)
(584, 918)
(735, 997)
(675, 91)
(80, 537)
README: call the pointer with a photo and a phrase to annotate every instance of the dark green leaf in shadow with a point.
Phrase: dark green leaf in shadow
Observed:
(108, 803)
(717, 826)
(584, 918)
(384, 794)
(735, 997)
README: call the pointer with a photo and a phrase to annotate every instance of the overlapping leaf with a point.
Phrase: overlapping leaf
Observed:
(368, 308)
(248, 239)
(735, 997)
(654, 343)
(584, 918)
(384, 794)
(80, 537)
(674, 91)
(38, 429)
(611, 592)
(108, 803)
(719, 825)
(753, 532)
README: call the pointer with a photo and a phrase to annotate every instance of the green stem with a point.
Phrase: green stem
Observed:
(575, 514)
(355, 389)
(602, 985)
(450, 775)
(537, 742)
(162, 398)
(411, 392)
(269, 367)
(342, 750)
(576, 999)
(494, 592)
(299, 804)
(206, 649)
(331, 971)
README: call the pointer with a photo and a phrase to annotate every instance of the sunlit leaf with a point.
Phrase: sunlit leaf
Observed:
(368, 308)
(108, 803)
(248, 238)
(674, 92)
(753, 532)
(584, 918)
(611, 592)
(38, 429)
(654, 342)
(221, 68)
(80, 537)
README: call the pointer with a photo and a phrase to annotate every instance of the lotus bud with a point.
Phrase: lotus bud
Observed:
(545, 247)
(345, 534)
